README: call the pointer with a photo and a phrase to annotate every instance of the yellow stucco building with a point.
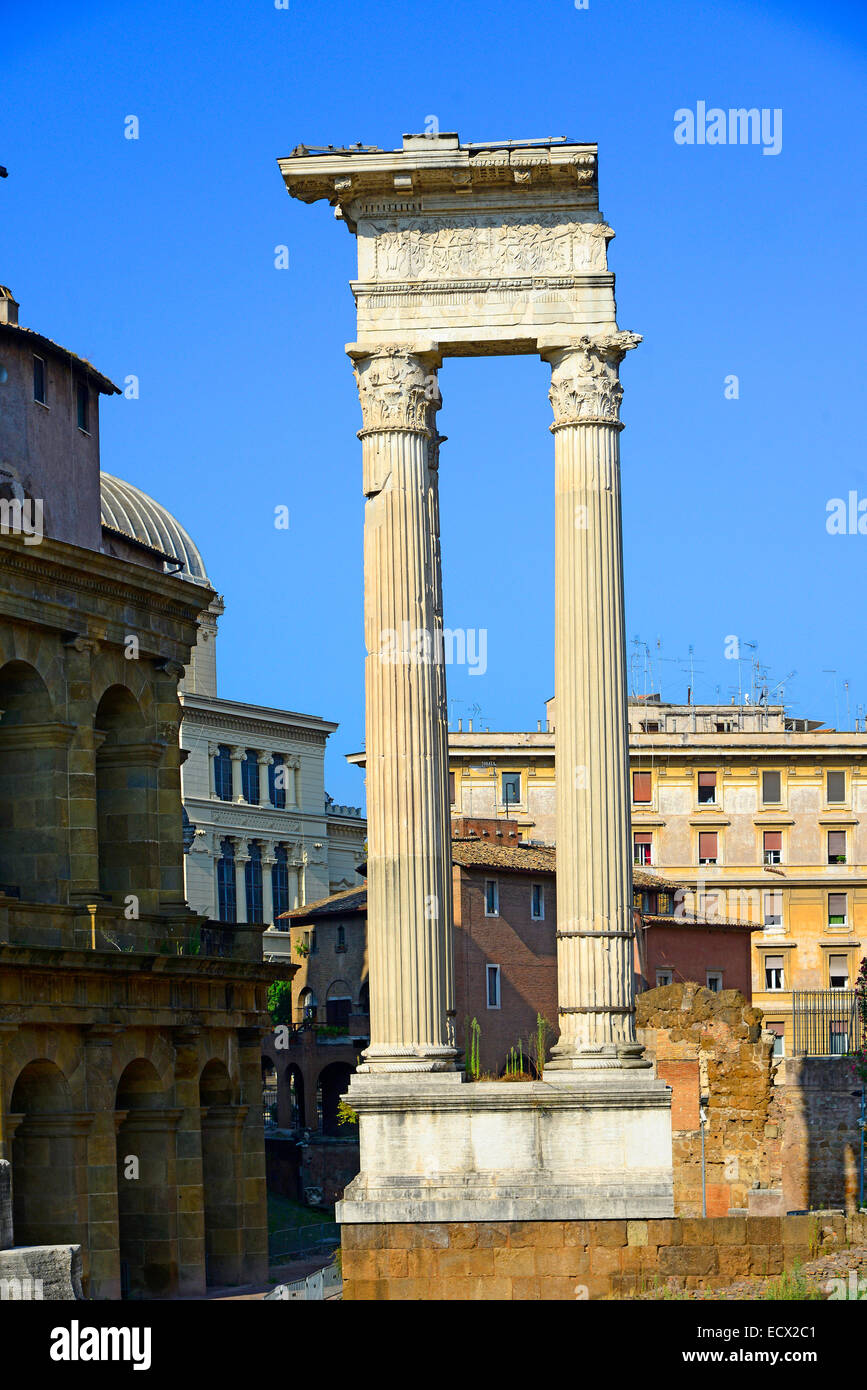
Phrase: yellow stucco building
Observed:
(760, 814)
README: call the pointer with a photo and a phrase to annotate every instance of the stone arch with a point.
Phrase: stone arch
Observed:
(49, 1158)
(332, 1083)
(307, 1005)
(126, 787)
(338, 1004)
(221, 1123)
(34, 852)
(146, 1196)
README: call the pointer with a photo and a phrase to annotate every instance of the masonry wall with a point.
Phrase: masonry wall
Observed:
(712, 1044)
(577, 1260)
(816, 1110)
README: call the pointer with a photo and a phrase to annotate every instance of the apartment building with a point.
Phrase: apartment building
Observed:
(759, 815)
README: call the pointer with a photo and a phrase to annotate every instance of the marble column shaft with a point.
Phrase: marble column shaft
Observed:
(595, 931)
(409, 888)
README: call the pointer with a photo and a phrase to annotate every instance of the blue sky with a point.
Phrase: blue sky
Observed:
(155, 257)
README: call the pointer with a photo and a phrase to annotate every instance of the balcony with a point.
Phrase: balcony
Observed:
(826, 1023)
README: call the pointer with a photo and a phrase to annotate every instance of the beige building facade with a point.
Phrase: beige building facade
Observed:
(761, 817)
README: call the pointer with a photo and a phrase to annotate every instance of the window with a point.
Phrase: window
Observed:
(772, 846)
(310, 942)
(773, 908)
(642, 842)
(81, 405)
(836, 846)
(250, 777)
(838, 972)
(451, 788)
(280, 881)
(774, 973)
(663, 977)
(641, 787)
(510, 788)
(837, 910)
(707, 847)
(226, 891)
(492, 898)
(223, 773)
(277, 772)
(838, 1039)
(253, 883)
(493, 973)
(836, 786)
(715, 981)
(337, 1012)
(665, 904)
(771, 794)
(779, 1032)
(39, 380)
(340, 944)
(537, 902)
(307, 1000)
(706, 788)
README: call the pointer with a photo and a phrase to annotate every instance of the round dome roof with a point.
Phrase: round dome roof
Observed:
(129, 510)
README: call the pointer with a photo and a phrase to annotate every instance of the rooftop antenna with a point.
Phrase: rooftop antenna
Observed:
(848, 710)
(832, 671)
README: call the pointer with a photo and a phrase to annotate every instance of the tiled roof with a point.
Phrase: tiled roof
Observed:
(39, 340)
(480, 853)
(686, 919)
(348, 900)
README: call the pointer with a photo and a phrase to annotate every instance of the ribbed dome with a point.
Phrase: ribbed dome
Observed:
(126, 508)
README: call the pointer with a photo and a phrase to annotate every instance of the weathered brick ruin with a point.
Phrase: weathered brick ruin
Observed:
(711, 1045)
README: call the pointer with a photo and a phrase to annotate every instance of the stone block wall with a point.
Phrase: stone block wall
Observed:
(712, 1044)
(816, 1115)
(578, 1260)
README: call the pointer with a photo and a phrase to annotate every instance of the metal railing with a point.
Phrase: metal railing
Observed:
(826, 1022)
(323, 1284)
(300, 1242)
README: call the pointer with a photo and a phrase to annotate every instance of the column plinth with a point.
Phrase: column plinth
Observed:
(595, 926)
(409, 883)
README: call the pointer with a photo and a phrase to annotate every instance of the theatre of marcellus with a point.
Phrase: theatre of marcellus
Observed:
(130, 1028)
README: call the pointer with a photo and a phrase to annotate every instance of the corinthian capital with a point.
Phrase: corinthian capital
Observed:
(585, 389)
(396, 389)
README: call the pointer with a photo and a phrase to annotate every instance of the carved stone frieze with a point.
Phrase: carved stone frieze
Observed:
(445, 248)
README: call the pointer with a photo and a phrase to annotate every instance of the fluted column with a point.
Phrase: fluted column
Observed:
(594, 864)
(409, 892)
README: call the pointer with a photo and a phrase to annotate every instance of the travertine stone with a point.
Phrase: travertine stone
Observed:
(409, 905)
(594, 878)
(5, 1204)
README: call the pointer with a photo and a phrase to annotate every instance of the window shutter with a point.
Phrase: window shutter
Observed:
(707, 779)
(773, 839)
(773, 962)
(641, 786)
(643, 837)
(836, 842)
(707, 844)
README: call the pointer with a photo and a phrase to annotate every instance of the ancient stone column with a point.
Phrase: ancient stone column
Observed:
(409, 895)
(594, 864)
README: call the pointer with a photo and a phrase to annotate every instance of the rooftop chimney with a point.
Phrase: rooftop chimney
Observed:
(8, 306)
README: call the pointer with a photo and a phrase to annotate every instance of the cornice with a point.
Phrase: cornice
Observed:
(191, 715)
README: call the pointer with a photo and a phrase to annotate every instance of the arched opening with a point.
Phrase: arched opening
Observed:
(307, 1005)
(294, 1094)
(223, 1214)
(34, 854)
(269, 1090)
(126, 782)
(338, 1004)
(333, 1082)
(49, 1160)
(146, 1201)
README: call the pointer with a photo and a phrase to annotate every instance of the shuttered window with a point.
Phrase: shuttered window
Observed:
(706, 787)
(770, 788)
(641, 788)
(772, 843)
(773, 972)
(642, 842)
(773, 909)
(707, 847)
(838, 972)
(836, 786)
(837, 910)
(836, 846)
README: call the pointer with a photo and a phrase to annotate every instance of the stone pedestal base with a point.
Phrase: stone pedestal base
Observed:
(37, 1273)
(583, 1145)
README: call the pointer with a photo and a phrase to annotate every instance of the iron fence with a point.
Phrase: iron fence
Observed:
(826, 1022)
(299, 1242)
